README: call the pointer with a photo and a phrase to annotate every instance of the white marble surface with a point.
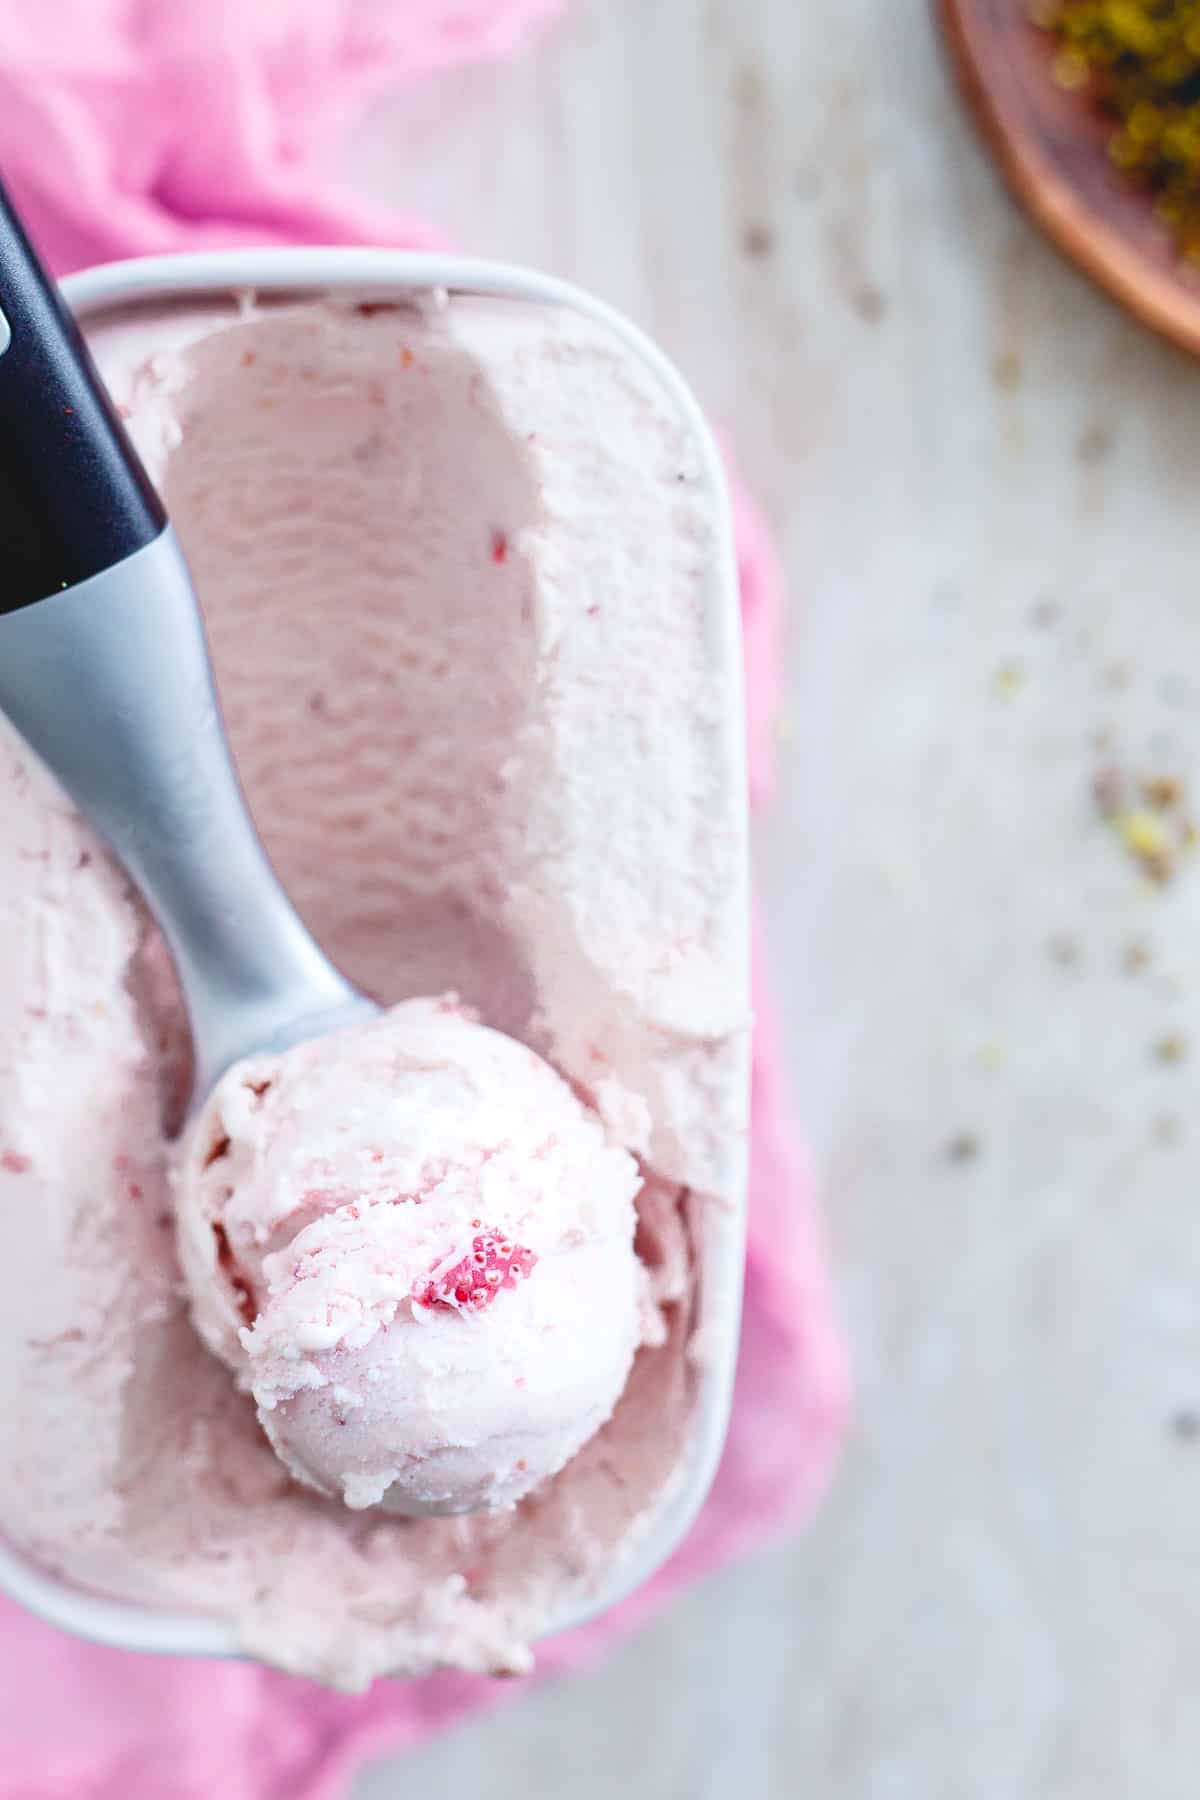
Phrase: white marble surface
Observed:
(975, 465)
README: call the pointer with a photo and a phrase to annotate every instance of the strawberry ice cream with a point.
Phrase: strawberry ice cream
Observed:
(412, 1244)
(461, 566)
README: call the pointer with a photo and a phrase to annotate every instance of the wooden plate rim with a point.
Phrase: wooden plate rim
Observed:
(1158, 297)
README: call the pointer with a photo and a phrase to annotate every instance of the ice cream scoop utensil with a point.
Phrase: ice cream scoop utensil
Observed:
(104, 670)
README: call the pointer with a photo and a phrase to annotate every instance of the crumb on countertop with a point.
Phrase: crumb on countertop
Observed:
(1064, 950)
(1185, 1424)
(1162, 792)
(1006, 370)
(1150, 818)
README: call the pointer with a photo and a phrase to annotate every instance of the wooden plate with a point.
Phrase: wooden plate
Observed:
(1051, 148)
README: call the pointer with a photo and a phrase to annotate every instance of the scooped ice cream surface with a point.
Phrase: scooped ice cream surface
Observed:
(457, 566)
(413, 1244)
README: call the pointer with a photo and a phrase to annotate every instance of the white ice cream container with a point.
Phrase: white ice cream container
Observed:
(389, 275)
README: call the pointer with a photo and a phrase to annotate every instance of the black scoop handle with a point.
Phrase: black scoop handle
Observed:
(74, 497)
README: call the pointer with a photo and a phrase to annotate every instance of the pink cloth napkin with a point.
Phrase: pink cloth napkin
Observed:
(134, 126)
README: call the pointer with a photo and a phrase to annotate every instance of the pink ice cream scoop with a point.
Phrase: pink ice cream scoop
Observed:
(414, 1246)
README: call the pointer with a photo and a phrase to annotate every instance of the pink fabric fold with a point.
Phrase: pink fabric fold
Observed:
(129, 127)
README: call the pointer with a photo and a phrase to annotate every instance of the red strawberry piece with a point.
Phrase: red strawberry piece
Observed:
(492, 1264)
